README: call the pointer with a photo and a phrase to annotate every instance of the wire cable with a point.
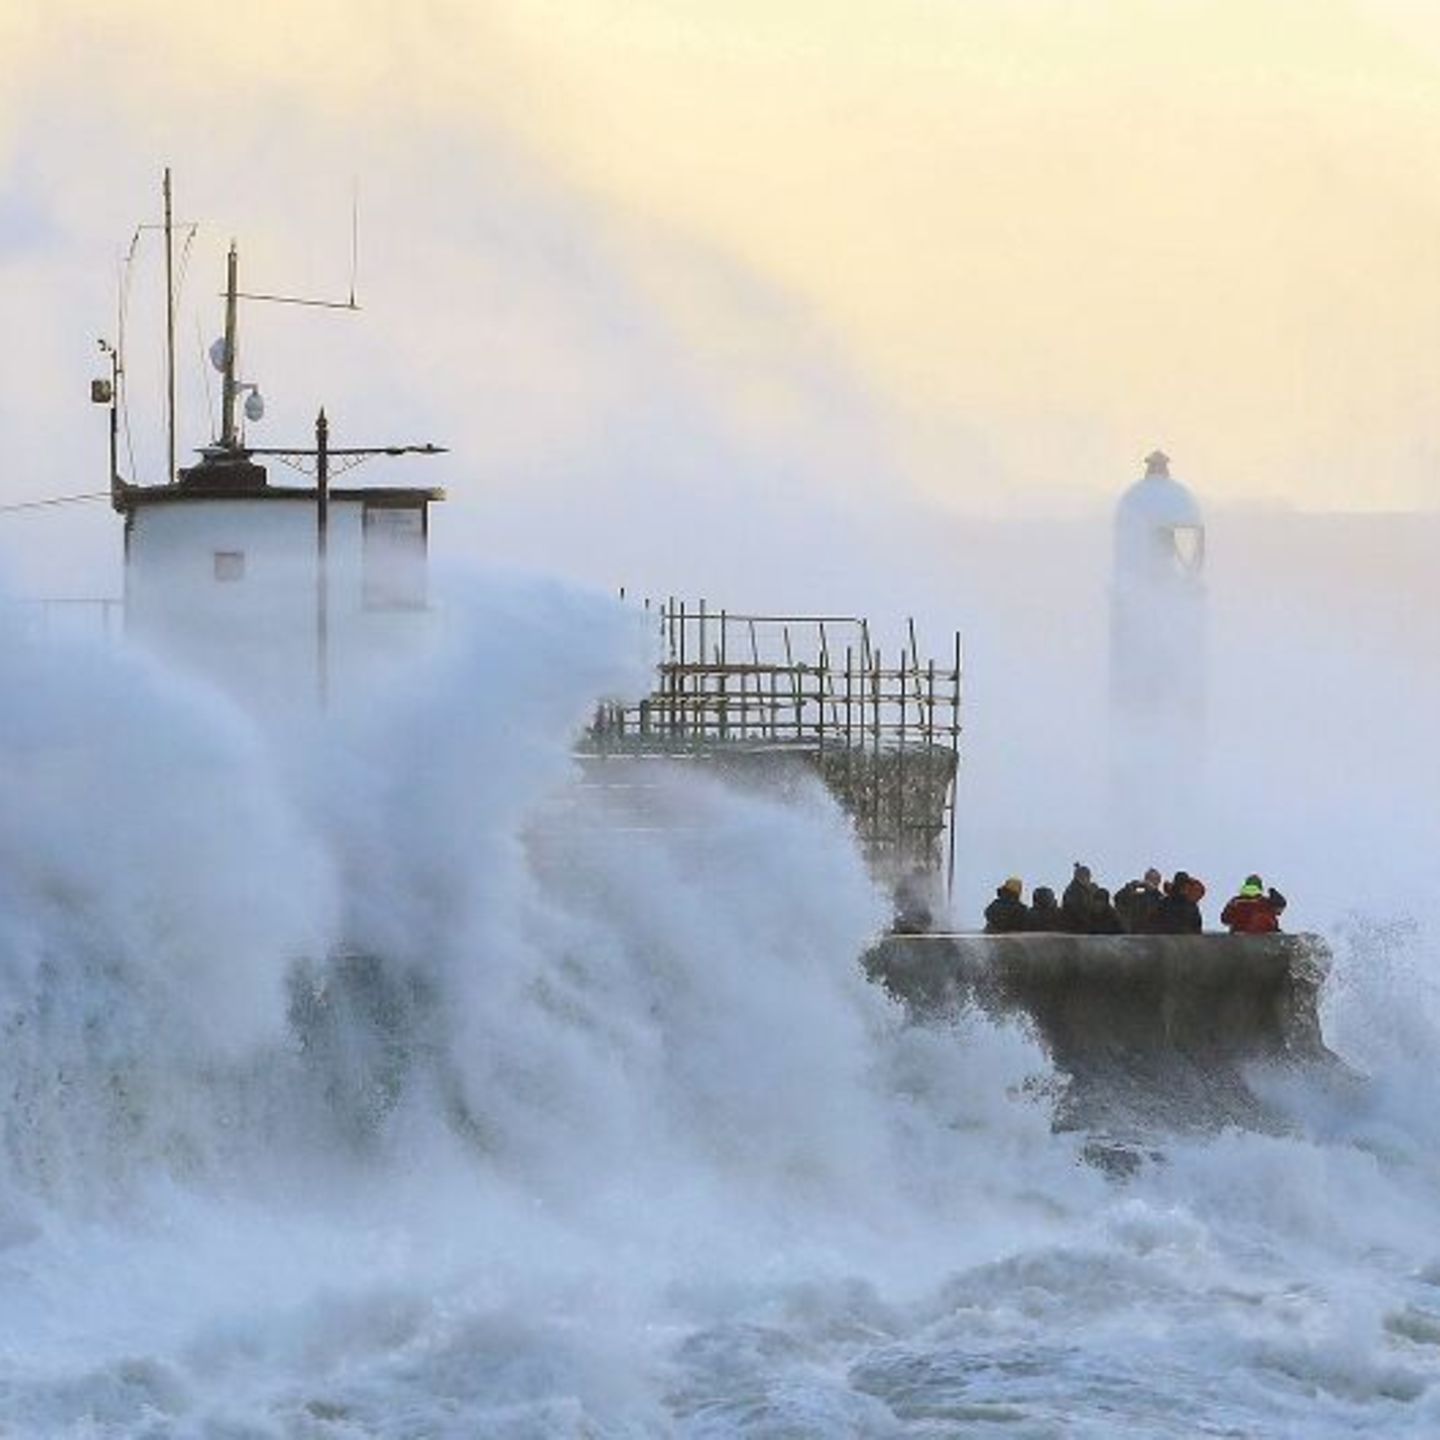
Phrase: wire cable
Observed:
(54, 500)
(123, 399)
(205, 367)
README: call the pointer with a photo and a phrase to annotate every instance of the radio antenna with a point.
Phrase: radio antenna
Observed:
(313, 302)
(354, 238)
(169, 336)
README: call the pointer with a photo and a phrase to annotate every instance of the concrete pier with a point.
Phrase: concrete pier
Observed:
(1145, 1032)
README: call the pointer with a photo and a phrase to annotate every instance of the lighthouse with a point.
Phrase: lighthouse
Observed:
(1157, 643)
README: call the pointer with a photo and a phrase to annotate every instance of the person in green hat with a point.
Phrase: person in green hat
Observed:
(1254, 911)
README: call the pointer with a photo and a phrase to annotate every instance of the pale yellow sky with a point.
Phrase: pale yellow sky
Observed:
(1073, 228)
(1047, 234)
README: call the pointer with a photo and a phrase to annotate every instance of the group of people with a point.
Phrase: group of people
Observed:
(1148, 906)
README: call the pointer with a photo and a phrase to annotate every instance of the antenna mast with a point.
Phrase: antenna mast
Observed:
(227, 392)
(169, 334)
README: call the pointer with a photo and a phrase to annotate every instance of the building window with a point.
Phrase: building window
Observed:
(394, 539)
(229, 564)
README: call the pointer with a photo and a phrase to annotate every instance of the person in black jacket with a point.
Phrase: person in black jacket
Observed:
(1045, 911)
(912, 914)
(1179, 912)
(1138, 901)
(1103, 920)
(1007, 913)
(1077, 901)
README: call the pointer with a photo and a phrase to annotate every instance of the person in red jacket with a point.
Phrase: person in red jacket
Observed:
(1254, 911)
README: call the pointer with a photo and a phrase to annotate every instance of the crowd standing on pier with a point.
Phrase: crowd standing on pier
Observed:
(1147, 906)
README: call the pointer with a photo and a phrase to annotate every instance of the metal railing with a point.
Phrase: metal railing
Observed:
(100, 616)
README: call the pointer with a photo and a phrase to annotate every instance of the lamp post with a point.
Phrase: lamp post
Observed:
(322, 544)
(321, 455)
(107, 392)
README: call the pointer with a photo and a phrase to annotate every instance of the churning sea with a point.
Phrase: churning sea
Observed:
(388, 1082)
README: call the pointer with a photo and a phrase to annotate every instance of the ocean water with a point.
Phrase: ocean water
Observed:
(379, 1078)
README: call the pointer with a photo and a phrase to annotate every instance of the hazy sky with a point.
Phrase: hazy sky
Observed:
(760, 301)
(986, 254)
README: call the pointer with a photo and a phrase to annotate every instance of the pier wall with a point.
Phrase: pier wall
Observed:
(1143, 1031)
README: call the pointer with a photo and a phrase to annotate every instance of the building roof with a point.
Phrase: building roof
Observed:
(135, 497)
(236, 476)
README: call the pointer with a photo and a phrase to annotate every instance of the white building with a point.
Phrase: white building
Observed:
(279, 592)
(263, 586)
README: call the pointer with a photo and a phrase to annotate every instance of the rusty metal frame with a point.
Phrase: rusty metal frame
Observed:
(884, 734)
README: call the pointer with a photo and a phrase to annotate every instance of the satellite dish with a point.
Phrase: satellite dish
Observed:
(254, 406)
(219, 353)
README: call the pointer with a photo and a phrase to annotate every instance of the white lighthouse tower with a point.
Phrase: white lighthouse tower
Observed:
(1157, 649)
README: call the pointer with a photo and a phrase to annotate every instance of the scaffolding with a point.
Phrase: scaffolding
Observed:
(775, 691)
